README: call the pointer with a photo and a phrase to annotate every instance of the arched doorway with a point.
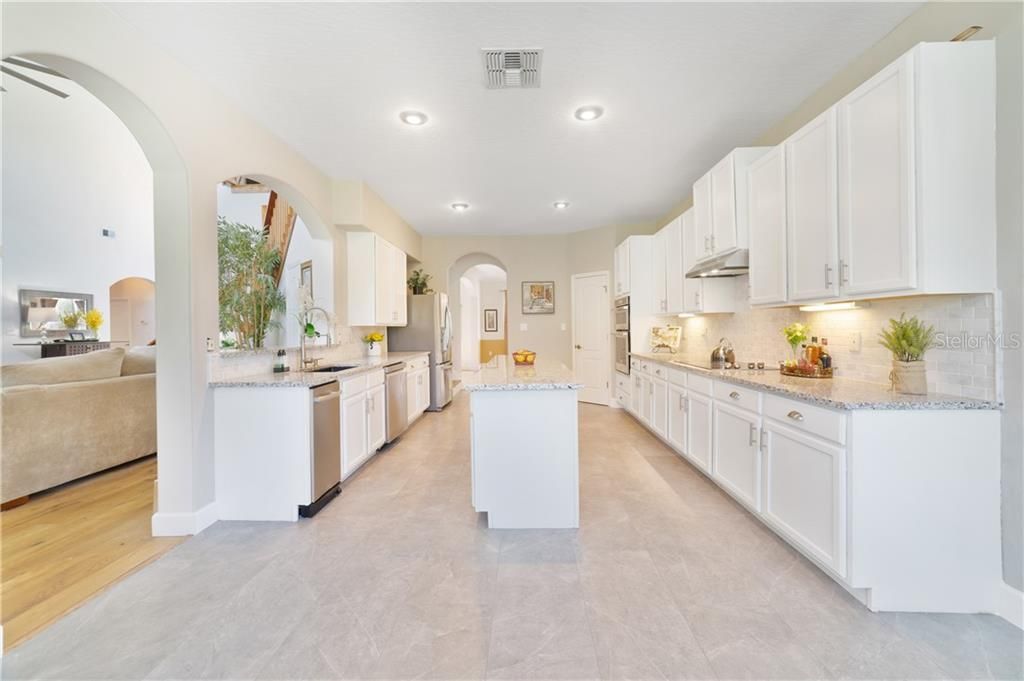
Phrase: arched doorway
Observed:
(133, 311)
(484, 294)
(456, 273)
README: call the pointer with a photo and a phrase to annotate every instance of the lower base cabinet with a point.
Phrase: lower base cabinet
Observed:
(363, 419)
(417, 392)
(698, 421)
(376, 430)
(659, 406)
(677, 426)
(354, 443)
(737, 460)
(805, 492)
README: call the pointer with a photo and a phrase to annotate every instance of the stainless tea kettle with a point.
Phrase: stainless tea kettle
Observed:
(723, 356)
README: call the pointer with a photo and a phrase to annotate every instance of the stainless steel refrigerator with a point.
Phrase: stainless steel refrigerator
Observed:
(429, 328)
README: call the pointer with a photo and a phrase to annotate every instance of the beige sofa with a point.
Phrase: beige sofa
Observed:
(66, 417)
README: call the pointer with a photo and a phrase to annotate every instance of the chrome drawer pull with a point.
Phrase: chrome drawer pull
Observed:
(753, 435)
(734, 395)
(795, 415)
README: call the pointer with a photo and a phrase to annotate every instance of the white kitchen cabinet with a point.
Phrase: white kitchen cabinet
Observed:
(659, 406)
(674, 271)
(417, 392)
(424, 388)
(766, 187)
(622, 268)
(701, 247)
(646, 399)
(354, 441)
(659, 302)
(702, 295)
(677, 426)
(375, 289)
(376, 424)
(723, 205)
(812, 210)
(737, 457)
(805, 492)
(699, 419)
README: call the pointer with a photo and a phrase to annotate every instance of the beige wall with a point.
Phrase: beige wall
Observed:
(939, 21)
(356, 205)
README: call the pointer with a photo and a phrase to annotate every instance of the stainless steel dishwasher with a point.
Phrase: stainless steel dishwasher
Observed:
(325, 457)
(398, 405)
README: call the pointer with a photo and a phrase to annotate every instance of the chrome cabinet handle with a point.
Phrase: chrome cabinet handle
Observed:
(734, 395)
(844, 272)
(712, 243)
(707, 246)
(795, 415)
(753, 435)
(828, 275)
(764, 439)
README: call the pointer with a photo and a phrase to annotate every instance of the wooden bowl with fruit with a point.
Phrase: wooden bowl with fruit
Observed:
(524, 358)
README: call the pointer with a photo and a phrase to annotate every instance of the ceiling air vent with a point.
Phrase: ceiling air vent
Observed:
(505, 69)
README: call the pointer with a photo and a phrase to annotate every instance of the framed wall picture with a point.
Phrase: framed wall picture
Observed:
(538, 297)
(490, 320)
(306, 276)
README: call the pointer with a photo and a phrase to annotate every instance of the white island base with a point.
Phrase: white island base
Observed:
(525, 452)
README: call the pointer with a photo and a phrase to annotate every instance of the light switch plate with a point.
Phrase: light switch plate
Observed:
(855, 341)
(522, 326)
(564, 327)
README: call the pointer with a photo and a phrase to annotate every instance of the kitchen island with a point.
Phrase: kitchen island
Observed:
(524, 431)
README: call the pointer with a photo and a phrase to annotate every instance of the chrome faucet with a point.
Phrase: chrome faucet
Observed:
(305, 364)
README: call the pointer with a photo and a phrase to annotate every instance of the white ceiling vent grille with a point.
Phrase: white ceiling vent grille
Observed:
(505, 69)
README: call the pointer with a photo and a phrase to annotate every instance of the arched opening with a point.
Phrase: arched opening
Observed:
(469, 322)
(133, 312)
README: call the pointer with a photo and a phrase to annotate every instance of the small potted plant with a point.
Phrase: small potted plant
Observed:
(419, 283)
(93, 321)
(796, 334)
(908, 340)
(373, 343)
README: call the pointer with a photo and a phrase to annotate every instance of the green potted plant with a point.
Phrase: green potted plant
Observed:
(908, 340)
(247, 291)
(419, 283)
(796, 333)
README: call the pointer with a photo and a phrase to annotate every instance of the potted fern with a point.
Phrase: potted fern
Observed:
(908, 340)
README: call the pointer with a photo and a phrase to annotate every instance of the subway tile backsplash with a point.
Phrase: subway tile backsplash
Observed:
(965, 364)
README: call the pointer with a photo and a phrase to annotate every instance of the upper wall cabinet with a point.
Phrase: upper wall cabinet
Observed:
(622, 268)
(767, 208)
(375, 281)
(720, 204)
(892, 191)
(667, 268)
(701, 296)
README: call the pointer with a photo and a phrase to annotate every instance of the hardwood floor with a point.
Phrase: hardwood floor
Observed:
(66, 545)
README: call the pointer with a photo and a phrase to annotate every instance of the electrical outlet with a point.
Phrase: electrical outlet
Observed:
(855, 341)
(564, 327)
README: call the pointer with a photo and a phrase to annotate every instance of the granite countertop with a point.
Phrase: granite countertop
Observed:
(312, 379)
(837, 393)
(503, 374)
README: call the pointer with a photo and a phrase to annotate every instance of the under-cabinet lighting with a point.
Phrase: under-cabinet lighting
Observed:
(828, 307)
(460, 207)
(685, 315)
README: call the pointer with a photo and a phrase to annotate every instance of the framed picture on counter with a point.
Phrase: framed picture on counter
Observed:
(538, 297)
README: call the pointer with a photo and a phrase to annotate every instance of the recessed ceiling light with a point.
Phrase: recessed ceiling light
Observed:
(588, 113)
(460, 207)
(413, 117)
(561, 205)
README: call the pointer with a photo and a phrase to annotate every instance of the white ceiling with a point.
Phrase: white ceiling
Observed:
(681, 84)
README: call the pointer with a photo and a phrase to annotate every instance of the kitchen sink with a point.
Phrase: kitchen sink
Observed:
(331, 369)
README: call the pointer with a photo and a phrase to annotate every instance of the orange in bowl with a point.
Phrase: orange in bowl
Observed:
(524, 357)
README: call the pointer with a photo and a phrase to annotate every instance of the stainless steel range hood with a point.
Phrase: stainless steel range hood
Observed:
(730, 264)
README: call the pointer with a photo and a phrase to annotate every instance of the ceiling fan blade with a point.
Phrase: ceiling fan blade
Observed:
(17, 61)
(32, 81)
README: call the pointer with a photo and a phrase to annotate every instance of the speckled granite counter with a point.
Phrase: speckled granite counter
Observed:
(312, 379)
(503, 374)
(837, 393)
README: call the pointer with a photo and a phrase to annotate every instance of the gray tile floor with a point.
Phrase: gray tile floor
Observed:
(398, 578)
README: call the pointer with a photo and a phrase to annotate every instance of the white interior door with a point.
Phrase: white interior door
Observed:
(591, 332)
(121, 325)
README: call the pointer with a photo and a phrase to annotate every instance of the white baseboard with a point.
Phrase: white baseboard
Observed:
(1010, 605)
(184, 524)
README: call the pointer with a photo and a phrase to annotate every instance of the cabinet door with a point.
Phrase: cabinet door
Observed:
(646, 399)
(805, 493)
(702, 217)
(354, 446)
(674, 266)
(877, 244)
(411, 395)
(812, 210)
(677, 429)
(659, 406)
(737, 461)
(723, 205)
(375, 418)
(382, 284)
(424, 388)
(767, 205)
(622, 269)
(691, 249)
(698, 426)
(399, 289)
(658, 264)
(636, 395)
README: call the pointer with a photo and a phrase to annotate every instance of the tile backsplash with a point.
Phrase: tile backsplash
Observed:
(965, 363)
(347, 344)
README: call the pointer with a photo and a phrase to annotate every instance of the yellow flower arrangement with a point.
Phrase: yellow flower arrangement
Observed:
(375, 337)
(94, 320)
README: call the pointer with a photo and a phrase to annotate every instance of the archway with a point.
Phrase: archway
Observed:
(456, 272)
(172, 255)
(133, 311)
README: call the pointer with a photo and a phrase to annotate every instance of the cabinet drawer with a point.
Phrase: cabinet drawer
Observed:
(634, 364)
(353, 386)
(737, 396)
(677, 377)
(622, 383)
(645, 367)
(417, 362)
(824, 423)
(659, 371)
(701, 384)
(375, 378)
